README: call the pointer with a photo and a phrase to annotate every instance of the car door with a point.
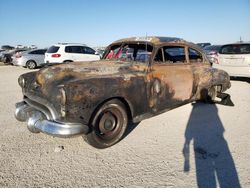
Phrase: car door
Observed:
(171, 78)
(89, 54)
(73, 53)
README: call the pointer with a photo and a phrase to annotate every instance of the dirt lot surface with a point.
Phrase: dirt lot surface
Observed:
(216, 152)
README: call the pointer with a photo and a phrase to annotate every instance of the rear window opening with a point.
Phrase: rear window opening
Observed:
(39, 52)
(53, 49)
(235, 49)
(212, 48)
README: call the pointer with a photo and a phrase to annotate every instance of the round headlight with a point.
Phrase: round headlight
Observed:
(63, 96)
(62, 101)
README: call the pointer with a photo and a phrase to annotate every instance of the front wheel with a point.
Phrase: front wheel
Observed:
(109, 125)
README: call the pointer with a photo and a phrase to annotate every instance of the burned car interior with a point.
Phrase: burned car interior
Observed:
(130, 52)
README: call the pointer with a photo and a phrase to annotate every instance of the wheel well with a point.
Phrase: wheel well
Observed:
(67, 61)
(123, 100)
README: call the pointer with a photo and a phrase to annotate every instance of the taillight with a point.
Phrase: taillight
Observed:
(56, 55)
(18, 55)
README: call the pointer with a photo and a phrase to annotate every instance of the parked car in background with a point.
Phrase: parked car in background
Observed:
(30, 59)
(100, 52)
(234, 59)
(69, 52)
(204, 44)
(7, 47)
(33, 47)
(137, 78)
(19, 46)
(10, 55)
(1, 54)
(212, 52)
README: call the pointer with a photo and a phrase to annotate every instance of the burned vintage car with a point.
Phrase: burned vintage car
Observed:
(136, 79)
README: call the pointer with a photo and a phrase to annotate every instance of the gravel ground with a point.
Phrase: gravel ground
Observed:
(216, 152)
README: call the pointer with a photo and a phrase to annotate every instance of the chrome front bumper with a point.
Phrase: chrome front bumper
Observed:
(37, 122)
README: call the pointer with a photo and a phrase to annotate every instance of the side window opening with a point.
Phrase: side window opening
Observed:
(170, 54)
(175, 54)
(159, 56)
(73, 49)
(87, 50)
(194, 56)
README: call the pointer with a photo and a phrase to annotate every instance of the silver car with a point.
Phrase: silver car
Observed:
(30, 59)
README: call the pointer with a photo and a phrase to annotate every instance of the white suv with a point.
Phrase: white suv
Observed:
(234, 59)
(69, 52)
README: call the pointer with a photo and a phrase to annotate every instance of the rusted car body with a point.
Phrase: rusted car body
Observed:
(142, 77)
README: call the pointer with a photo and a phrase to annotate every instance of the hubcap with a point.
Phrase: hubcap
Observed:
(110, 124)
(31, 65)
(107, 123)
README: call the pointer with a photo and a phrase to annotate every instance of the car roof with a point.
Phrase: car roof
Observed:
(69, 44)
(237, 43)
(212, 46)
(152, 39)
(157, 40)
(37, 49)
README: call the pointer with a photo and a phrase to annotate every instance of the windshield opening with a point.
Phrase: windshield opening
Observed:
(130, 52)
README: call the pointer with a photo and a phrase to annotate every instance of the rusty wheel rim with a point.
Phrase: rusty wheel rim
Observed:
(110, 124)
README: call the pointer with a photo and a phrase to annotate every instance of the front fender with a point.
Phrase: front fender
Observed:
(83, 97)
(221, 78)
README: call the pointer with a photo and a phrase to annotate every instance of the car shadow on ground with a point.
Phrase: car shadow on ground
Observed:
(242, 79)
(214, 163)
(130, 128)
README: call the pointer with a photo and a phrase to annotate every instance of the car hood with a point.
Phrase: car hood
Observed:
(82, 70)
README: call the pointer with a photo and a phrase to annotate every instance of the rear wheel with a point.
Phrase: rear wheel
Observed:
(31, 64)
(68, 61)
(210, 95)
(109, 125)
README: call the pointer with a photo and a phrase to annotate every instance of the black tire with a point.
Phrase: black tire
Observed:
(210, 95)
(68, 61)
(31, 64)
(109, 125)
(6, 60)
